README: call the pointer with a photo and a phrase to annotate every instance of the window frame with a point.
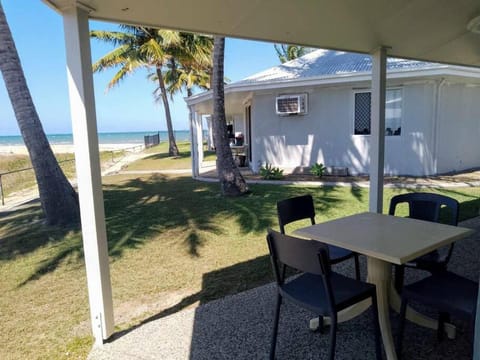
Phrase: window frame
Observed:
(356, 91)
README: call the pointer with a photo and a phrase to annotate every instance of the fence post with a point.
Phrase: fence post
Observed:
(1, 190)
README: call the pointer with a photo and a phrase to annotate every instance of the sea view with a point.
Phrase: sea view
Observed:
(103, 138)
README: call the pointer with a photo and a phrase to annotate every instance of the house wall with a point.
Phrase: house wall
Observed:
(458, 145)
(239, 124)
(325, 134)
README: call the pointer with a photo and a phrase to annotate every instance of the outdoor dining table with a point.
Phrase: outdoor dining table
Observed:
(385, 240)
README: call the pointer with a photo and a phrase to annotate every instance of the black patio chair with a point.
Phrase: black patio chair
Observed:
(300, 208)
(317, 288)
(428, 207)
(447, 293)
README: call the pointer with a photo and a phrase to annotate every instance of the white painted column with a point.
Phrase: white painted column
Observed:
(84, 124)
(198, 122)
(210, 133)
(196, 136)
(193, 144)
(377, 126)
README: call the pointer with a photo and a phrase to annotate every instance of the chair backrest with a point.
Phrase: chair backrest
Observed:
(294, 209)
(428, 206)
(305, 255)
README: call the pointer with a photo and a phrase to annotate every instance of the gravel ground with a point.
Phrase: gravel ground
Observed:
(239, 327)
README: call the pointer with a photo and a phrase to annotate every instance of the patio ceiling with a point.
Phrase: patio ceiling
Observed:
(431, 30)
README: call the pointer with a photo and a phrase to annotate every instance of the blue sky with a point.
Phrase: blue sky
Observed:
(38, 35)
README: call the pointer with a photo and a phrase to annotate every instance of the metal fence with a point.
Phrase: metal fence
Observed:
(2, 196)
(113, 152)
(151, 140)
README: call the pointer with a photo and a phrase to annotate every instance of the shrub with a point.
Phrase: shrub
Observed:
(268, 172)
(318, 170)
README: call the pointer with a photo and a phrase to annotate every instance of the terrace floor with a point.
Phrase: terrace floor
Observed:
(239, 327)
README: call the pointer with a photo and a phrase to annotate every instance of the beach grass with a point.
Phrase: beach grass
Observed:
(159, 159)
(173, 243)
(17, 174)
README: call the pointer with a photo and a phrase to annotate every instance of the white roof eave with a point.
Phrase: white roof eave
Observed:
(438, 70)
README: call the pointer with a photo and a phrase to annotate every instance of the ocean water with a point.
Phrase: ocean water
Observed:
(103, 138)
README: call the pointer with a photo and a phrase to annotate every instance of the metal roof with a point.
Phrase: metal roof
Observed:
(328, 67)
(320, 63)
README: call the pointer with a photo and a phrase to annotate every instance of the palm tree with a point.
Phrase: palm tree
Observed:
(290, 52)
(179, 77)
(231, 180)
(140, 47)
(190, 64)
(57, 196)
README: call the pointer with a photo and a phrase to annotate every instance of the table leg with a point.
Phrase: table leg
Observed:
(380, 273)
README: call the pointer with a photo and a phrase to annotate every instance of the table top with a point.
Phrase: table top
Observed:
(390, 238)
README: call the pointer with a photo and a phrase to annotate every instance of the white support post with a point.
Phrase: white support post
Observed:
(193, 144)
(196, 135)
(84, 124)
(377, 134)
(210, 132)
(198, 123)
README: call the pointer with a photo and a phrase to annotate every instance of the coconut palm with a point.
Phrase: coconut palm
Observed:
(57, 196)
(231, 180)
(190, 64)
(289, 52)
(180, 77)
(140, 47)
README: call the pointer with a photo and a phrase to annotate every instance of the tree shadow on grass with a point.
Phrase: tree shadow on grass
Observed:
(17, 227)
(143, 209)
(23, 231)
(164, 155)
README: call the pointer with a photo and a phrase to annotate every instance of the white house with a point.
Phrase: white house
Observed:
(316, 109)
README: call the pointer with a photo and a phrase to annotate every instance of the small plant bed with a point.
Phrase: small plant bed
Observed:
(270, 172)
(318, 170)
(248, 175)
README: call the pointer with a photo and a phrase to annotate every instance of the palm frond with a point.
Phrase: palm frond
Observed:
(152, 52)
(185, 58)
(114, 58)
(113, 37)
(169, 37)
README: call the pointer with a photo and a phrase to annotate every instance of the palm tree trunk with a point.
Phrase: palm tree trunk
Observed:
(231, 180)
(57, 196)
(172, 145)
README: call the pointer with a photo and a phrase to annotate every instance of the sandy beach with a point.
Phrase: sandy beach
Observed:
(68, 148)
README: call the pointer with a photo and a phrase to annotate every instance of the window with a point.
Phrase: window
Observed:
(393, 113)
(362, 113)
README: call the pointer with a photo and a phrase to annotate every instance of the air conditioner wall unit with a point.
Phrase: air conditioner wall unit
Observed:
(292, 104)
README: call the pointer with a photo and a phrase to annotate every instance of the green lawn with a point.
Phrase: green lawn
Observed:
(159, 159)
(173, 243)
